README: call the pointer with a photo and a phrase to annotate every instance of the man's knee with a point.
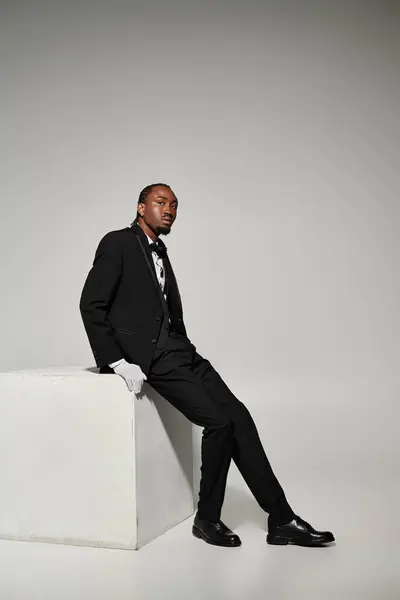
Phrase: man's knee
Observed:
(241, 414)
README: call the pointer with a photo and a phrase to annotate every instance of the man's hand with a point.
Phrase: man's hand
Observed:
(133, 375)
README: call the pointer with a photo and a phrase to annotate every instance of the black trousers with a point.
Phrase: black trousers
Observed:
(191, 384)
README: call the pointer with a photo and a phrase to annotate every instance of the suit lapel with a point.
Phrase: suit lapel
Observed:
(174, 297)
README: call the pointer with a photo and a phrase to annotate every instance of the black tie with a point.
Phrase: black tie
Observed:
(159, 248)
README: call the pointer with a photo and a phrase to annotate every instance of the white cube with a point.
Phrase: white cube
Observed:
(84, 461)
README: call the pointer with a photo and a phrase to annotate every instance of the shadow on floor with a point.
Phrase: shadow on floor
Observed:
(240, 508)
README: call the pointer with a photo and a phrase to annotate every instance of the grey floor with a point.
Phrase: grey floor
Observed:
(362, 565)
(334, 445)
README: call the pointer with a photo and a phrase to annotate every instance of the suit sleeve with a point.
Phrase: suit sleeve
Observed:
(97, 296)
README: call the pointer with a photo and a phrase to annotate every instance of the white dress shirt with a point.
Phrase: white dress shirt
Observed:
(159, 266)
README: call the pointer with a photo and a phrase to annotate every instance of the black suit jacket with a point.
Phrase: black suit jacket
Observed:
(122, 305)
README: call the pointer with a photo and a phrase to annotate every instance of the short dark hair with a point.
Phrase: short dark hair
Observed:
(143, 196)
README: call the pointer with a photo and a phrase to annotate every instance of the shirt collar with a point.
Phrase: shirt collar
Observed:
(158, 241)
(149, 239)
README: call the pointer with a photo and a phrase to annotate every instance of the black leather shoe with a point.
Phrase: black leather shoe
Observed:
(215, 533)
(297, 532)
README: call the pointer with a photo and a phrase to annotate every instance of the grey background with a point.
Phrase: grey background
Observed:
(277, 125)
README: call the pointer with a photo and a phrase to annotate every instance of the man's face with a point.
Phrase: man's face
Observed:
(159, 210)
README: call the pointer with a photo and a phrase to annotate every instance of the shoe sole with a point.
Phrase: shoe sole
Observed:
(284, 541)
(197, 533)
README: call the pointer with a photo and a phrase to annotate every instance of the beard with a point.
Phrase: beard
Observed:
(163, 229)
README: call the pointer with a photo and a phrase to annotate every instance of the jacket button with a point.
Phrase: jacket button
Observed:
(153, 341)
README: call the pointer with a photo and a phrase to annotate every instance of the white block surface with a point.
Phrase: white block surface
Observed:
(84, 461)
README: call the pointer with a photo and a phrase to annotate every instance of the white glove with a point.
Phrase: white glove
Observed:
(133, 375)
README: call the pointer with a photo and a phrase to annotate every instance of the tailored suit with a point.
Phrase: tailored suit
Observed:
(126, 315)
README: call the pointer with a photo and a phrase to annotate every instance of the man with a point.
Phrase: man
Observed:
(132, 313)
